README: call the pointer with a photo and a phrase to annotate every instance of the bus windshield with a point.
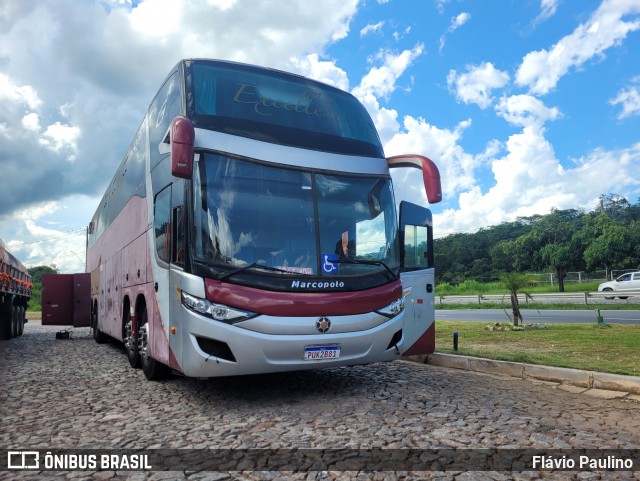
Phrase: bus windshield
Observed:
(276, 107)
(296, 221)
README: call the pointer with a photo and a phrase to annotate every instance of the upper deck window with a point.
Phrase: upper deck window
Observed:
(276, 107)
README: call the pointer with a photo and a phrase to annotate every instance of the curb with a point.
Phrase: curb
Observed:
(597, 384)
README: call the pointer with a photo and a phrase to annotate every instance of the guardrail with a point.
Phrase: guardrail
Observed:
(553, 296)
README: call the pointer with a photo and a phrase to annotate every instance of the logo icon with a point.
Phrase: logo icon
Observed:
(323, 324)
(23, 460)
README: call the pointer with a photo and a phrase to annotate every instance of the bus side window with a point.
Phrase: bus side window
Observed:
(162, 224)
(178, 221)
(166, 105)
(177, 256)
(416, 243)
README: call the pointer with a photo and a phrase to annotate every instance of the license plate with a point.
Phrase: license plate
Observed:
(321, 353)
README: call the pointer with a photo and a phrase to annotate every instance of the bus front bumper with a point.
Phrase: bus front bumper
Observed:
(213, 349)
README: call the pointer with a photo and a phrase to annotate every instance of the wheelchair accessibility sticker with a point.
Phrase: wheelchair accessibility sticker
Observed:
(330, 263)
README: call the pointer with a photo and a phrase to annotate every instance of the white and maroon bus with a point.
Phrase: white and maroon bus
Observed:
(252, 228)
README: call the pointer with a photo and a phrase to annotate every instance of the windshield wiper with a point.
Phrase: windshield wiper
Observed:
(253, 265)
(365, 262)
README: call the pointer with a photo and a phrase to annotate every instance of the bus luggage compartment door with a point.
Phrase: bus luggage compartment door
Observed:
(66, 300)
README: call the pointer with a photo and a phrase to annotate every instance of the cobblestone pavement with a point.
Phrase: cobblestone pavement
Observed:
(72, 394)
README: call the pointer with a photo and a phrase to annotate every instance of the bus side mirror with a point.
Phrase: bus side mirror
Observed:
(182, 139)
(430, 173)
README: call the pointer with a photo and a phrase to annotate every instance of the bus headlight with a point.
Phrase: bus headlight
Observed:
(393, 309)
(219, 312)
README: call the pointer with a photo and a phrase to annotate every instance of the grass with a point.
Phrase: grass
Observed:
(581, 346)
(534, 305)
(471, 287)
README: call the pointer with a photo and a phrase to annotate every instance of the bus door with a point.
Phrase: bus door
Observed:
(169, 223)
(417, 276)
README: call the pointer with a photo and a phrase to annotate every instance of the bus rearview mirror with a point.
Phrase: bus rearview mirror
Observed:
(182, 138)
(430, 173)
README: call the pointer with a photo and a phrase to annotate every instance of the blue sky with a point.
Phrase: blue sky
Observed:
(524, 105)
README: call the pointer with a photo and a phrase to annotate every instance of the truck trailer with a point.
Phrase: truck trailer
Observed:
(15, 292)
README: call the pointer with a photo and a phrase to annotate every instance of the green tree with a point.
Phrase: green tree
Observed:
(614, 206)
(554, 241)
(38, 271)
(514, 283)
(612, 248)
(36, 274)
(549, 245)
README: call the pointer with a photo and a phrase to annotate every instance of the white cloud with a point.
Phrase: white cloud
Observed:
(31, 122)
(324, 71)
(530, 180)
(456, 22)
(440, 4)
(476, 84)
(541, 70)
(93, 67)
(157, 18)
(371, 28)
(397, 35)
(223, 4)
(629, 98)
(521, 187)
(59, 137)
(51, 232)
(380, 82)
(37, 211)
(25, 94)
(77, 90)
(525, 111)
(457, 167)
(548, 9)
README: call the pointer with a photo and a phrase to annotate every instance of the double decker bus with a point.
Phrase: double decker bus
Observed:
(252, 228)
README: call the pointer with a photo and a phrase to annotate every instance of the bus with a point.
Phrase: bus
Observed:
(252, 228)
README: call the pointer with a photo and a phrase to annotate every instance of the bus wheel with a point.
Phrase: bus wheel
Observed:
(131, 341)
(153, 370)
(98, 336)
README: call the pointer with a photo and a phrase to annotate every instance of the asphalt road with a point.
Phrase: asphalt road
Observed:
(541, 316)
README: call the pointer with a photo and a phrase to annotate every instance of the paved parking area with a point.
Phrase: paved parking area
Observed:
(75, 394)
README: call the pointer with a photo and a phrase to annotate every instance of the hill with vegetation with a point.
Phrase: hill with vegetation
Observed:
(562, 241)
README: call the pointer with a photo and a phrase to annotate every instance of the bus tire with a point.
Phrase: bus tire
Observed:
(130, 339)
(153, 370)
(98, 336)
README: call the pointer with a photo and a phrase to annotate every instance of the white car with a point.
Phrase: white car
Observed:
(625, 282)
